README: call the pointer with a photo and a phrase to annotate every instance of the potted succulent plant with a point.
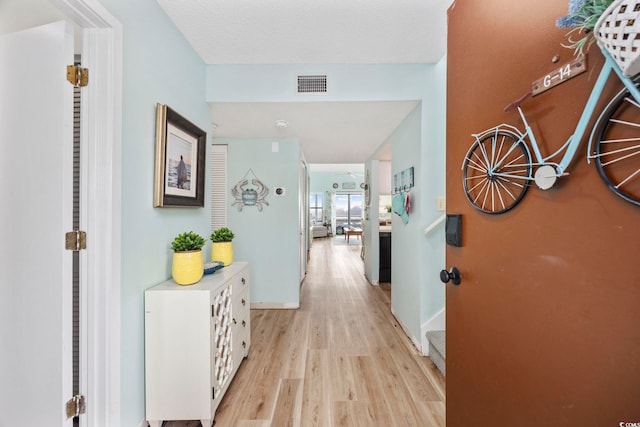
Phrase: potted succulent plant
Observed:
(188, 265)
(221, 246)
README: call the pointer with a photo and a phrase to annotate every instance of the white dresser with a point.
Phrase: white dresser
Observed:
(195, 339)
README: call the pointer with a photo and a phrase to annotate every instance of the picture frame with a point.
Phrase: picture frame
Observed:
(179, 162)
(403, 181)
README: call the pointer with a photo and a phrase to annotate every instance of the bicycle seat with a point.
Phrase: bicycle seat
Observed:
(515, 104)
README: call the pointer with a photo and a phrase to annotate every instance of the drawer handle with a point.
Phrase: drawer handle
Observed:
(243, 323)
(244, 344)
(244, 281)
(234, 321)
(243, 302)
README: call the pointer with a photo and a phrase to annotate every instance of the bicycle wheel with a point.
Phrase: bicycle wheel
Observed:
(616, 150)
(496, 172)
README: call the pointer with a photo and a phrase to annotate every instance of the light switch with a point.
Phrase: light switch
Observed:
(440, 204)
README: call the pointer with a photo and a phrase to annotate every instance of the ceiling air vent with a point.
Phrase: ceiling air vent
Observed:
(312, 84)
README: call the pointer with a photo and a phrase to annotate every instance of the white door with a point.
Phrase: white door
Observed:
(36, 202)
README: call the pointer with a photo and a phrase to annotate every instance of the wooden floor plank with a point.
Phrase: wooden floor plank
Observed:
(351, 414)
(287, 408)
(315, 396)
(341, 359)
(368, 380)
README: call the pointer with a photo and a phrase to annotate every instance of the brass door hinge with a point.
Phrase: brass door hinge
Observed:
(77, 76)
(75, 240)
(76, 406)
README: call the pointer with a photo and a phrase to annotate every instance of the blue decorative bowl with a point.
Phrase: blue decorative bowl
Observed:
(212, 267)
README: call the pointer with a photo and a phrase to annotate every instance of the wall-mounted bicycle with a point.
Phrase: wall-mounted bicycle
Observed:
(498, 168)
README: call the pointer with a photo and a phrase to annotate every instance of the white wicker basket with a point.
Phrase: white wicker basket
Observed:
(618, 31)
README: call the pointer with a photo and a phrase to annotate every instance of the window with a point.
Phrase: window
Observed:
(315, 207)
(349, 209)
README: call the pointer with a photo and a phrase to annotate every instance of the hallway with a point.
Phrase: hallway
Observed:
(340, 360)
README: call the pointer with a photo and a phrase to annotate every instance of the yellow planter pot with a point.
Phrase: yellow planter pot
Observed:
(223, 252)
(188, 267)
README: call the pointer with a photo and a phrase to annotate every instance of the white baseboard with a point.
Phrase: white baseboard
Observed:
(436, 323)
(275, 305)
(416, 343)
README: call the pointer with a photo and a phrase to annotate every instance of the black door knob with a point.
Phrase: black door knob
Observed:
(453, 275)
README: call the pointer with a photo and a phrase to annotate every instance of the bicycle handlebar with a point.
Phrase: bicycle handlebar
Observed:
(515, 104)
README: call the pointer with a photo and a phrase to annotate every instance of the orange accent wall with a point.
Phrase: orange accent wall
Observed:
(544, 329)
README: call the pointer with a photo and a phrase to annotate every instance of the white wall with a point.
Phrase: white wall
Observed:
(18, 15)
(384, 177)
(371, 236)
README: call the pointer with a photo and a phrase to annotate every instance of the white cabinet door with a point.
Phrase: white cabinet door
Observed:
(36, 197)
(241, 318)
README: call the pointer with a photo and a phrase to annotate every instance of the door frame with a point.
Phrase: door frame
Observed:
(304, 219)
(100, 210)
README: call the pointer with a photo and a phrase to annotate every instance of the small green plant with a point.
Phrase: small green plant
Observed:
(188, 241)
(583, 16)
(222, 235)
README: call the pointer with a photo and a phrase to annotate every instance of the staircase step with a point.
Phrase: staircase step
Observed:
(437, 349)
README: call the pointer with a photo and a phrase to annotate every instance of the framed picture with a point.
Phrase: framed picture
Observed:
(180, 158)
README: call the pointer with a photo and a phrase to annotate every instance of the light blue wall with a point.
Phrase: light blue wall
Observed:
(268, 239)
(417, 293)
(159, 66)
(407, 263)
(378, 82)
(434, 172)
(423, 296)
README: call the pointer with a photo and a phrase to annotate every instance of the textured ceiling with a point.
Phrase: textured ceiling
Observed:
(314, 32)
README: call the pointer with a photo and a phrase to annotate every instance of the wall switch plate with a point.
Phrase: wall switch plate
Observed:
(440, 204)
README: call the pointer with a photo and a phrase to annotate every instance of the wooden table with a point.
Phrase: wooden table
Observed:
(352, 232)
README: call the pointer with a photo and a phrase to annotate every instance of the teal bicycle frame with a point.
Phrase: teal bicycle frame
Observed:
(500, 165)
(571, 145)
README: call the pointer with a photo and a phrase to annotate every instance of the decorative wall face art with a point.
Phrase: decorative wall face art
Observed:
(249, 195)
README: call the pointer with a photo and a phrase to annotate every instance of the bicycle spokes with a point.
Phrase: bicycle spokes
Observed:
(496, 172)
(617, 148)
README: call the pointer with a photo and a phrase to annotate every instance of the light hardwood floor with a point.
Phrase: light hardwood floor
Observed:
(339, 360)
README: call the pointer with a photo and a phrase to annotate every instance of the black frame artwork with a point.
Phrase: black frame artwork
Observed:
(180, 161)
